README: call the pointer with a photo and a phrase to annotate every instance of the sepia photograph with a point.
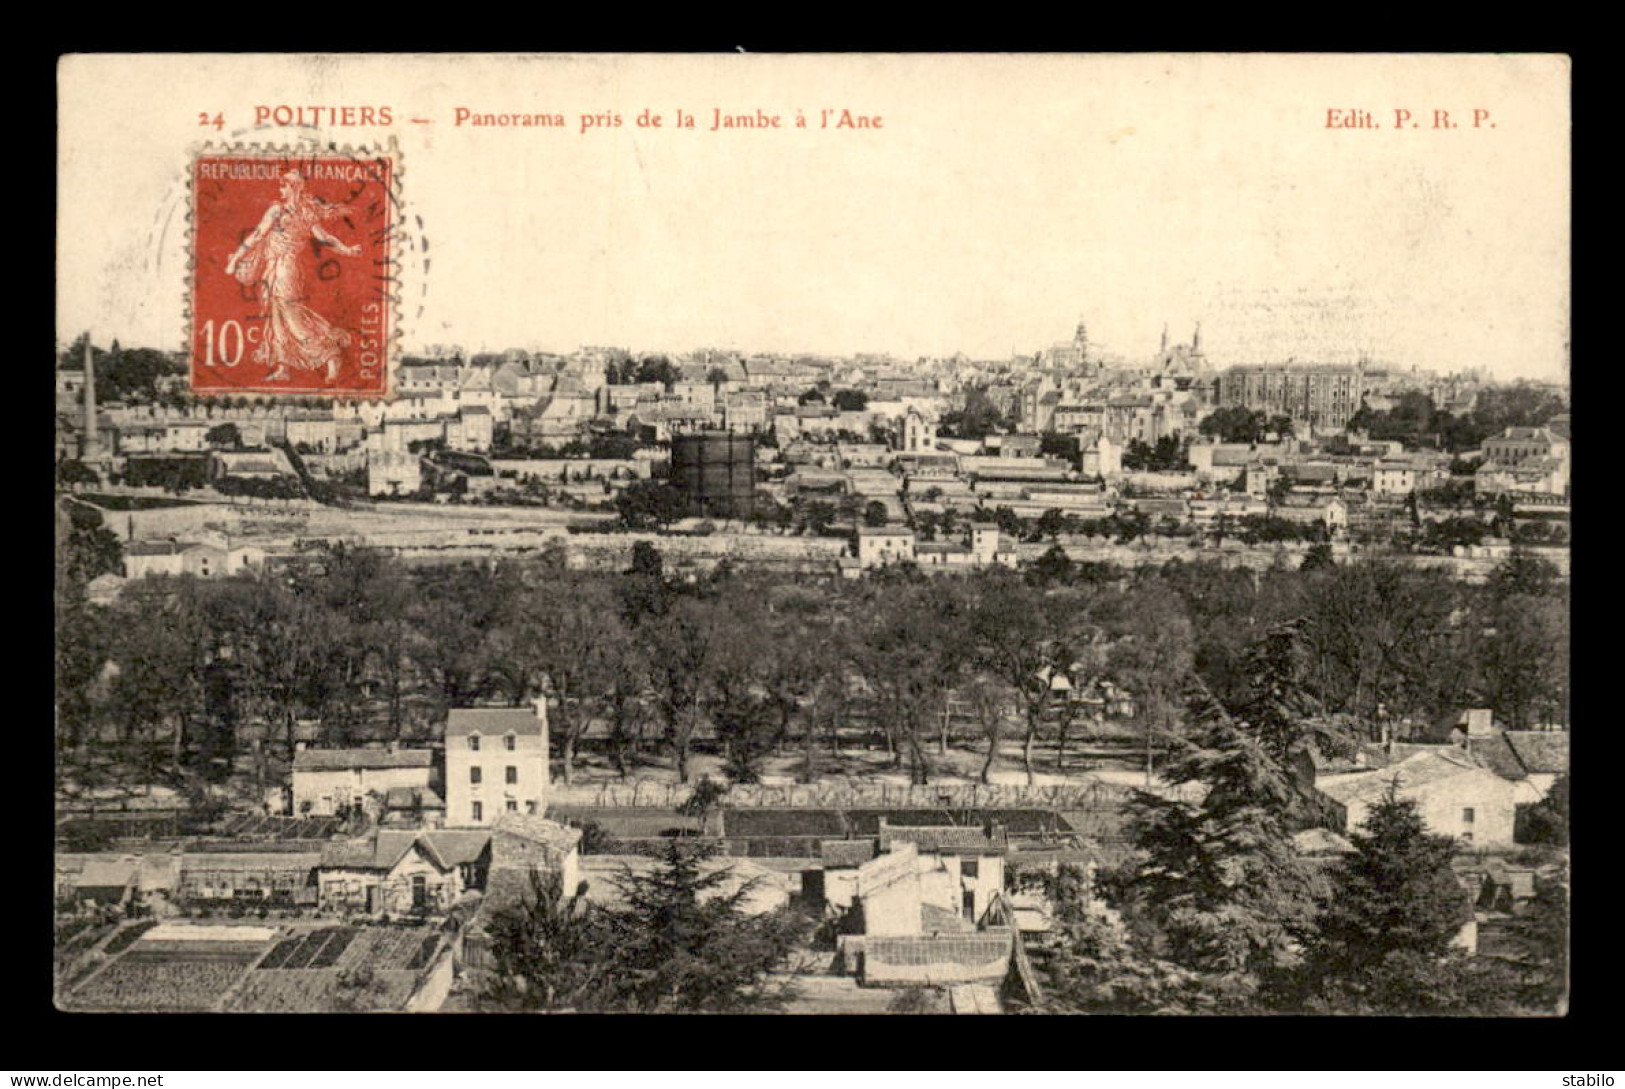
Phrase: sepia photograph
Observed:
(865, 534)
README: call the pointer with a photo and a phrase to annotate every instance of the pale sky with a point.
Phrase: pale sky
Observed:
(1003, 200)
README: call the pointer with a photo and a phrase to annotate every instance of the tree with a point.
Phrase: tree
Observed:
(1277, 703)
(87, 549)
(1152, 658)
(874, 513)
(1379, 634)
(681, 648)
(1025, 637)
(545, 950)
(704, 800)
(1547, 821)
(1095, 965)
(851, 400)
(1395, 908)
(72, 471)
(569, 632)
(226, 434)
(738, 703)
(1522, 574)
(990, 702)
(979, 418)
(1220, 883)
(1318, 556)
(1523, 660)
(901, 649)
(1234, 423)
(649, 504)
(685, 942)
(818, 516)
(1542, 933)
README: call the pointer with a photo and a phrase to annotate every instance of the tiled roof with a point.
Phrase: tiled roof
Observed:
(492, 721)
(754, 821)
(886, 870)
(1415, 771)
(1541, 751)
(381, 852)
(944, 840)
(846, 853)
(539, 830)
(1494, 753)
(156, 548)
(345, 759)
(457, 848)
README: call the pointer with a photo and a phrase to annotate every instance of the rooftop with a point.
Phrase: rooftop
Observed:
(1540, 751)
(492, 721)
(348, 759)
(1412, 772)
(945, 839)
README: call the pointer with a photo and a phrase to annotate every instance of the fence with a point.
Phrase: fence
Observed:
(859, 794)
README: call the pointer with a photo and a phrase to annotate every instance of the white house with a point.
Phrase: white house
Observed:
(496, 763)
(327, 782)
(1455, 794)
(882, 545)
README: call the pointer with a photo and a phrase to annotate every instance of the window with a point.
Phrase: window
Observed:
(474, 774)
(479, 812)
(530, 807)
(473, 742)
(512, 776)
(510, 742)
(970, 867)
(1466, 816)
(513, 806)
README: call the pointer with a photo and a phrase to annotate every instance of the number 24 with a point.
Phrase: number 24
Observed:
(218, 121)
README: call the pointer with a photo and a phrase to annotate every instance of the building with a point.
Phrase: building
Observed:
(332, 782)
(196, 558)
(1323, 397)
(1517, 446)
(716, 473)
(401, 872)
(267, 878)
(496, 764)
(919, 434)
(1456, 795)
(878, 546)
(971, 857)
(523, 848)
(915, 912)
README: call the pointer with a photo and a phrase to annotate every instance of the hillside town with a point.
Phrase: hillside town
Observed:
(1066, 682)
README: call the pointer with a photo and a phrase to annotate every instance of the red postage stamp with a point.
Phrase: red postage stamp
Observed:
(292, 273)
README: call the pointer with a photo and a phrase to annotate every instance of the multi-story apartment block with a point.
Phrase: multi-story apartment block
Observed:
(496, 763)
(1320, 396)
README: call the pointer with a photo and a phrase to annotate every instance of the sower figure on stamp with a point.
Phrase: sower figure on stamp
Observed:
(295, 335)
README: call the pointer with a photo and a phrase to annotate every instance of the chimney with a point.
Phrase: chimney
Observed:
(1480, 722)
(91, 447)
